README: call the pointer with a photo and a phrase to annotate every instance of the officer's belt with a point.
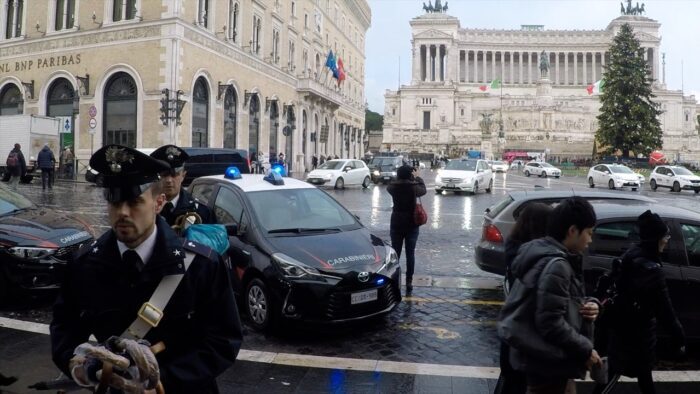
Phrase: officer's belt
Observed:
(151, 312)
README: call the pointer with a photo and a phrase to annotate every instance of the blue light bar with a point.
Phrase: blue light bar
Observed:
(232, 173)
(279, 169)
(274, 177)
(380, 281)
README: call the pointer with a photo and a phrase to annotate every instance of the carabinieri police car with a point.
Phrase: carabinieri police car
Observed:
(297, 253)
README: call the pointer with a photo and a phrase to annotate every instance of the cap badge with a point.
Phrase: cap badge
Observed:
(116, 156)
(172, 152)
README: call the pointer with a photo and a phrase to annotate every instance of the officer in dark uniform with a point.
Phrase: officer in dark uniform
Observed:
(179, 200)
(109, 282)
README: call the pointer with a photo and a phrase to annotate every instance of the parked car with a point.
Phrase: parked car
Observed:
(383, 168)
(35, 244)
(297, 253)
(676, 178)
(541, 169)
(499, 166)
(500, 218)
(614, 176)
(202, 161)
(340, 173)
(468, 175)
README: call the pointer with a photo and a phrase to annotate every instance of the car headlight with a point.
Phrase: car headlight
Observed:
(292, 268)
(375, 173)
(438, 179)
(31, 253)
(393, 173)
(390, 261)
(328, 176)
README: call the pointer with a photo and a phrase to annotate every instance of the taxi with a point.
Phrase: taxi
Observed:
(297, 253)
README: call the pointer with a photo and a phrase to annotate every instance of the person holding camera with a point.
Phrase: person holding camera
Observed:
(403, 229)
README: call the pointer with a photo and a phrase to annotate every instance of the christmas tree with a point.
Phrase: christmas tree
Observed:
(628, 119)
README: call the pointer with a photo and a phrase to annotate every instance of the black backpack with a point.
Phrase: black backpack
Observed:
(606, 290)
(12, 160)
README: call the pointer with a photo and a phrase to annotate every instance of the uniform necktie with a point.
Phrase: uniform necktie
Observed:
(130, 257)
(168, 207)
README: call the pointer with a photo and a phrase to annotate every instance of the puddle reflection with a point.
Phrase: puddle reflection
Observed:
(467, 213)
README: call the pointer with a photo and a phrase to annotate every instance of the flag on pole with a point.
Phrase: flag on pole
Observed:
(596, 88)
(341, 71)
(495, 84)
(330, 62)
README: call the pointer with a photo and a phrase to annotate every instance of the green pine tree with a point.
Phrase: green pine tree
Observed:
(629, 118)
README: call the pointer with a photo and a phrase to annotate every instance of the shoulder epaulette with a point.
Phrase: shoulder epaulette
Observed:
(198, 248)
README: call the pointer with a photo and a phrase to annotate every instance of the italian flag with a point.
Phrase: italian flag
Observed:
(495, 84)
(596, 88)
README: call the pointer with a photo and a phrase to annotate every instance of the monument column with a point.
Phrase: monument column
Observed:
(476, 66)
(438, 63)
(556, 68)
(484, 68)
(566, 68)
(466, 66)
(511, 76)
(529, 67)
(427, 62)
(494, 75)
(593, 70)
(416, 63)
(585, 70)
(575, 68)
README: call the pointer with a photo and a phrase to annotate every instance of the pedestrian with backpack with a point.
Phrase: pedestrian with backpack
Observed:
(547, 320)
(640, 301)
(46, 161)
(16, 166)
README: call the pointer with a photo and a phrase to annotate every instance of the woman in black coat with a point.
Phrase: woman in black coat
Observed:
(403, 229)
(642, 299)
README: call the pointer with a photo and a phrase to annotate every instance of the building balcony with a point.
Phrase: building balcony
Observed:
(319, 92)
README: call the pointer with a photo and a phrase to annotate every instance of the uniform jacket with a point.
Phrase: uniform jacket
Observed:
(404, 193)
(642, 299)
(201, 328)
(560, 294)
(185, 204)
(21, 169)
(45, 158)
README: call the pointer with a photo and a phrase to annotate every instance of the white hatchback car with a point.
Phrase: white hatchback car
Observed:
(499, 166)
(676, 178)
(541, 169)
(614, 176)
(464, 175)
(340, 173)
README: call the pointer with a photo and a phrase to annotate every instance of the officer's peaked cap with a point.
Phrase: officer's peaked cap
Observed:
(127, 172)
(171, 154)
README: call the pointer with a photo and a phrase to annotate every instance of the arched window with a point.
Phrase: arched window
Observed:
(13, 18)
(120, 111)
(11, 102)
(200, 114)
(60, 98)
(254, 126)
(274, 126)
(230, 118)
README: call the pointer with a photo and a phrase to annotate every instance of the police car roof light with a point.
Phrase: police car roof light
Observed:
(274, 178)
(278, 169)
(232, 173)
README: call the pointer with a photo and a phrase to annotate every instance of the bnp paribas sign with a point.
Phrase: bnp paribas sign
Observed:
(39, 63)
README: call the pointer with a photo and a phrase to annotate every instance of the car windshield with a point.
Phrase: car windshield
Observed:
(11, 201)
(681, 171)
(461, 165)
(383, 161)
(546, 165)
(621, 170)
(299, 211)
(332, 165)
(498, 163)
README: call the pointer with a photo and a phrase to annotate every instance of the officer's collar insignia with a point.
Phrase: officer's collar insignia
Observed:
(176, 252)
(172, 152)
(116, 156)
(190, 244)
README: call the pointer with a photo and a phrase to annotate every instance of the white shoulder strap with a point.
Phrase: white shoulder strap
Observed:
(151, 312)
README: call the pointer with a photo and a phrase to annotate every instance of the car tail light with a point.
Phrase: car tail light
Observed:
(491, 233)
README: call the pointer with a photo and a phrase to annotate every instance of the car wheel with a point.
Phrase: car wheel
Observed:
(527, 173)
(590, 182)
(437, 191)
(366, 182)
(258, 305)
(676, 187)
(697, 191)
(340, 183)
(476, 188)
(652, 184)
(544, 174)
(611, 185)
(557, 177)
(458, 192)
(376, 181)
(490, 188)
(634, 189)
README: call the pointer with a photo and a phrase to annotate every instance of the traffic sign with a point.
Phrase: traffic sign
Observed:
(93, 123)
(92, 111)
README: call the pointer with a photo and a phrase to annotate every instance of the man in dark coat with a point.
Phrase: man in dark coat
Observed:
(551, 269)
(46, 161)
(179, 201)
(19, 169)
(642, 300)
(109, 286)
(403, 229)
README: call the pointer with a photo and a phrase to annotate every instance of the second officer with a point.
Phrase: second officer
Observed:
(180, 201)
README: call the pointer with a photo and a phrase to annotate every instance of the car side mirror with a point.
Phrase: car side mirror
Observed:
(346, 169)
(479, 170)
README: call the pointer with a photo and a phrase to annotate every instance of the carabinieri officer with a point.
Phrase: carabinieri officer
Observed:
(179, 200)
(108, 285)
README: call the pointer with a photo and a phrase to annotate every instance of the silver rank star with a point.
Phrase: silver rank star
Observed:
(94, 250)
(176, 252)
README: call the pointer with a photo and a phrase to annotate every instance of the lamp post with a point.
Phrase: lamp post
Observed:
(74, 115)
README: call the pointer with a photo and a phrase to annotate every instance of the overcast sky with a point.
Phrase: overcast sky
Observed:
(389, 37)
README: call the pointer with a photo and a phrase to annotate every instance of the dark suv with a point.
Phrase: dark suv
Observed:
(383, 169)
(202, 162)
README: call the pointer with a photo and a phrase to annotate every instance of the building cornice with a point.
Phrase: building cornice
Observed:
(362, 12)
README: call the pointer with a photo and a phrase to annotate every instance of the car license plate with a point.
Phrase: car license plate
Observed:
(450, 185)
(362, 297)
(387, 178)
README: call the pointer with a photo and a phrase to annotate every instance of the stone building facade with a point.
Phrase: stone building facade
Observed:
(213, 73)
(450, 107)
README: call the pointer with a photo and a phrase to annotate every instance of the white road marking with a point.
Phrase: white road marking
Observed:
(355, 364)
